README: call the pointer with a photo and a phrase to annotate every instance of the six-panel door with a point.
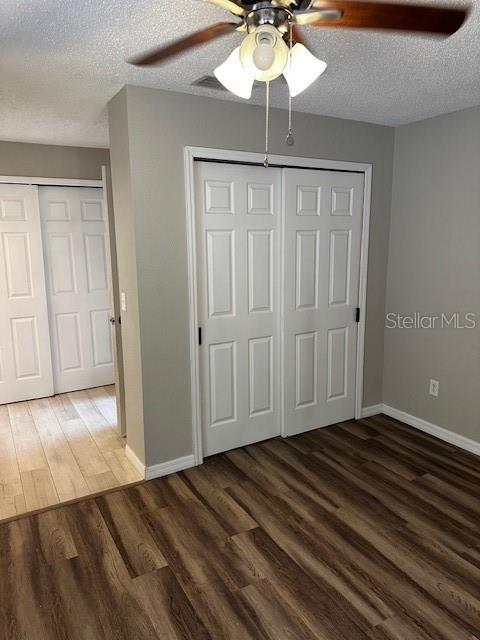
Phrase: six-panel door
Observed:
(25, 363)
(75, 246)
(238, 220)
(321, 263)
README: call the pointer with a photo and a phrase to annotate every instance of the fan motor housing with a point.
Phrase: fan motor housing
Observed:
(263, 13)
(291, 5)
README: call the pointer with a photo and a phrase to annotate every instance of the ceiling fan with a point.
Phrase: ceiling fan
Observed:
(274, 43)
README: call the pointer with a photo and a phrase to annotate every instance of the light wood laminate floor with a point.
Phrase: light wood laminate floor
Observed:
(365, 530)
(58, 449)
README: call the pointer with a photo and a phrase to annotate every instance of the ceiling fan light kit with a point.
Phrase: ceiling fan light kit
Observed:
(263, 56)
(274, 44)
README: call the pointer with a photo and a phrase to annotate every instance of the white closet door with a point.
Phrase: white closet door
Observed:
(323, 222)
(75, 237)
(25, 362)
(238, 216)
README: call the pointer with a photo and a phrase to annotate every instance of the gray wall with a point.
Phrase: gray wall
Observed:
(48, 161)
(434, 267)
(127, 272)
(148, 131)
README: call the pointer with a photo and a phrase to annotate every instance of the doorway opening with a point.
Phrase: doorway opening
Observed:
(61, 424)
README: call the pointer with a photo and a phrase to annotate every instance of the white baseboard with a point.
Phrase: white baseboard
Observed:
(179, 464)
(373, 410)
(172, 466)
(433, 429)
(137, 463)
(162, 469)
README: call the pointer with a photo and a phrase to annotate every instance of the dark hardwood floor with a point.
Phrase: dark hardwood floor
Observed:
(366, 530)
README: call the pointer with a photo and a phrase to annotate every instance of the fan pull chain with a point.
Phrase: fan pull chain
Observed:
(290, 140)
(267, 106)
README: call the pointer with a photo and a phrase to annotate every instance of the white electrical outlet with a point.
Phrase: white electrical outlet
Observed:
(434, 388)
(123, 301)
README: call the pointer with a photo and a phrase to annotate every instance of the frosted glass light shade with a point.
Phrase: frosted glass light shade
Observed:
(302, 69)
(234, 77)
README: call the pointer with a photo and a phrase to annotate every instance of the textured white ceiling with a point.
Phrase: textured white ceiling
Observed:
(61, 61)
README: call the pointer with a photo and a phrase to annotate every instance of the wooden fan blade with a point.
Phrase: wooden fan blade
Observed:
(229, 5)
(308, 17)
(298, 36)
(196, 39)
(397, 17)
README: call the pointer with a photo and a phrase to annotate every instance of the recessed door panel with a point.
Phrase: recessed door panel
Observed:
(57, 211)
(223, 385)
(260, 359)
(18, 265)
(308, 200)
(218, 196)
(220, 265)
(339, 266)
(26, 347)
(260, 257)
(13, 209)
(69, 341)
(306, 373)
(260, 199)
(75, 231)
(307, 269)
(62, 274)
(337, 363)
(92, 210)
(25, 355)
(342, 201)
(101, 342)
(96, 262)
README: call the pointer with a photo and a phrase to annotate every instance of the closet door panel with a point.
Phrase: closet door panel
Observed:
(75, 236)
(238, 211)
(25, 355)
(322, 237)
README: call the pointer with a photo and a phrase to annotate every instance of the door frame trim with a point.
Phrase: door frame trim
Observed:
(50, 182)
(192, 154)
